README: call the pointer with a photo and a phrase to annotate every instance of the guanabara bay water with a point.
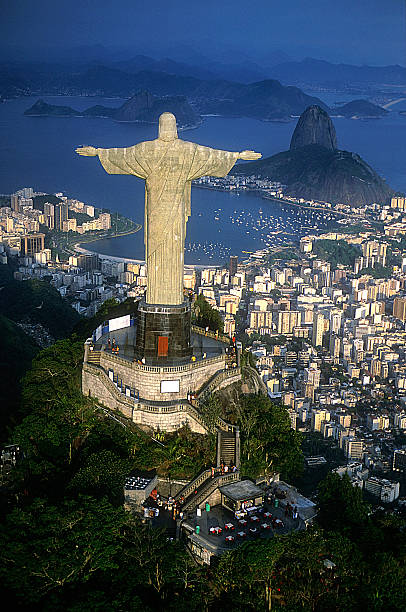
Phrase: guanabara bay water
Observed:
(40, 152)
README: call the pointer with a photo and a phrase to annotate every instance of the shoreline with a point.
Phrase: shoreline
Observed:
(260, 193)
(79, 248)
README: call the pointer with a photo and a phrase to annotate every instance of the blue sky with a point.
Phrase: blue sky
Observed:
(353, 31)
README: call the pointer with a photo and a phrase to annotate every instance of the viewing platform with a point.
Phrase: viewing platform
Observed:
(162, 396)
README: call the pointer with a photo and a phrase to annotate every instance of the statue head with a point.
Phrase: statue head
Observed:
(167, 127)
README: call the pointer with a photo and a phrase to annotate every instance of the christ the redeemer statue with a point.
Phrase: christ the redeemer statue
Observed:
(168, 165)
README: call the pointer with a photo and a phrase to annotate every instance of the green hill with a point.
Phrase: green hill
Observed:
(17, 350)
(35, 301)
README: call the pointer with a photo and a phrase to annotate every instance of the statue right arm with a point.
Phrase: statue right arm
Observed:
(128, 160)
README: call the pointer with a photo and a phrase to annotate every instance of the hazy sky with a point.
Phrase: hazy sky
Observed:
(354, 31)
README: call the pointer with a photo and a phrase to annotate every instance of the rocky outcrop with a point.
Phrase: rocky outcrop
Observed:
(230, 396)
(41, 108)
(147, 108)
(315, 169)
(314, 127)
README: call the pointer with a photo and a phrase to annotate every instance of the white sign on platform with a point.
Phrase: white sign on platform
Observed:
(98, 332)
(170, 386)
(119, 323)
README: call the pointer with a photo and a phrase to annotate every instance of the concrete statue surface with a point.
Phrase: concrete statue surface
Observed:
(168, 165)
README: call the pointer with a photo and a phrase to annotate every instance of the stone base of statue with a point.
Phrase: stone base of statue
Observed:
(157, 393)
(163, 333)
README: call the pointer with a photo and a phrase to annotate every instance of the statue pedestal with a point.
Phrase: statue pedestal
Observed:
(163, 333)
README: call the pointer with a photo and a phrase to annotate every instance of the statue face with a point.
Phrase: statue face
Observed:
(167, 127)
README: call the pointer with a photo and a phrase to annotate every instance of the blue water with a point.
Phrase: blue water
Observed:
(39, 152)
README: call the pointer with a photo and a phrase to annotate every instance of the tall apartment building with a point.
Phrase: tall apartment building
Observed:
(383, 489)
(233, 265)
(398, 203)
(399, 308)
(353, 447)
(318, 329)
(318, 417)
(32, 243)
(376, 422)
(400, 420)
(15, 202)
(104, 221)
(399, 461)
(375, 249)
(260, 319)
(288, 320)
(88, 262)
(335, 320)
(60, 214)
(335, 344)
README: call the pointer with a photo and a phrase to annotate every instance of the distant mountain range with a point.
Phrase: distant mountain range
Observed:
(320, 72)
(204, 86)
(143, 107)
(314, 168)
(19, 78)
(268, 100)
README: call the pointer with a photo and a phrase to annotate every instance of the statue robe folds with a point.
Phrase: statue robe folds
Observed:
(168, 169)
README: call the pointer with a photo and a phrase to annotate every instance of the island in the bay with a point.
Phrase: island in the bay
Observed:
(144, 107)
(361, 109)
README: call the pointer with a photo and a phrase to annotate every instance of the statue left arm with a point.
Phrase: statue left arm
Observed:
(214, 162)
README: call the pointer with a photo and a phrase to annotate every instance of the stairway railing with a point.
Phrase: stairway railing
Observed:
(211, 486)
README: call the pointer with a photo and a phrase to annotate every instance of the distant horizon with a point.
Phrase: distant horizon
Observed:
(366, 32)
(63, 55)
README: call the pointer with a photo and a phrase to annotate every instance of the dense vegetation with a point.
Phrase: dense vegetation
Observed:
(17, 350)
(37, 302)
(378, 271)
(204, 315)
(29, 311)
(269, 444)
(336, 252)
(66, 542)
(285, 255)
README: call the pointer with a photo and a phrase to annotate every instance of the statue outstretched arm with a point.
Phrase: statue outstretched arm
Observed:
(249, 155)
(87, 151)
(214, 162)
(119, 161)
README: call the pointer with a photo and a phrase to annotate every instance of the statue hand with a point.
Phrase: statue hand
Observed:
(249, 155)
(87, 151)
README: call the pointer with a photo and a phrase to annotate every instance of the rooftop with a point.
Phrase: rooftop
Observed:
(241, 490)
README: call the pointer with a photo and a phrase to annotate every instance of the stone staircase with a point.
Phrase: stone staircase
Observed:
(93, 357)
(227, 447)
(199, 490)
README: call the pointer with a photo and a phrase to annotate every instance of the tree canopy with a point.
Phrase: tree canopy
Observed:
(204, 315)
(269, 444)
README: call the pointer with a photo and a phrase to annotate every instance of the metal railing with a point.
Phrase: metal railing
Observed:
(193, 485)
(163, 369)
(217, 379)
(210, 334)
(214, 483)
